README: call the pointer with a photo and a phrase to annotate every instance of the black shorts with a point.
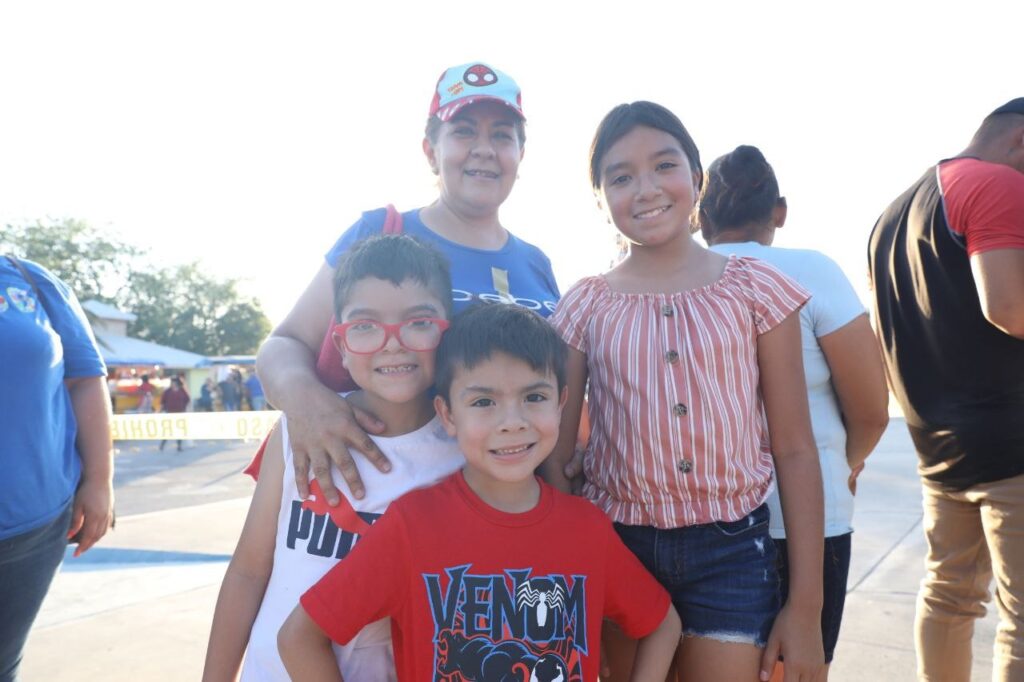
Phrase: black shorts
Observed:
(834, 575)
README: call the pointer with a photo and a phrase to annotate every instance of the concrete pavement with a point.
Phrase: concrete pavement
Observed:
(138, 607)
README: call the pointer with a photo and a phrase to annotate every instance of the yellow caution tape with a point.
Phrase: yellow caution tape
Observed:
(193, 425)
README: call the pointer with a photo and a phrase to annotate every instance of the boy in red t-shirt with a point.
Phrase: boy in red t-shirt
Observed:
(490, 574)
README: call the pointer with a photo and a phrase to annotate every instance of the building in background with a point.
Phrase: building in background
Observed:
(128, 358)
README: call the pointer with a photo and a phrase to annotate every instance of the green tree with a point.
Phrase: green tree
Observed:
(242, 328)
(185, 308)
(91, 262)
(178, 306)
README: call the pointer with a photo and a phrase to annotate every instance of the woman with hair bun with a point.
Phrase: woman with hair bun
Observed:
(740, 209)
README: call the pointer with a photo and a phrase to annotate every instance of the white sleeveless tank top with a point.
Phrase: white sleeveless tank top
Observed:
(310, 543)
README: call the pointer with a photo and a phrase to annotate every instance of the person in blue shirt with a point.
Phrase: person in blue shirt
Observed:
(254, 392)
(473, 143)
(55, 446)
(206, 391)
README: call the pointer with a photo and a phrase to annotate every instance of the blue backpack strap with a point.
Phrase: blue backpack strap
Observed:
(30, 280)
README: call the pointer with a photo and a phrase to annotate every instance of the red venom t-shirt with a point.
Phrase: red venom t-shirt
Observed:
(475, 593)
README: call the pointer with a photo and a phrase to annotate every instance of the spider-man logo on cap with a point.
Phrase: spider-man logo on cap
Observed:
(479, 75)
(462, 85)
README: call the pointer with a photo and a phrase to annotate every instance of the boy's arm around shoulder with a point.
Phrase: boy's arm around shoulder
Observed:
(245, 582)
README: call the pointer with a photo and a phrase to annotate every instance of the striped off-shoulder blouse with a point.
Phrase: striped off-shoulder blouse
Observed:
(676, 416)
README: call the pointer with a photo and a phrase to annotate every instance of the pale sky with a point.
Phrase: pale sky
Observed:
(249, 135)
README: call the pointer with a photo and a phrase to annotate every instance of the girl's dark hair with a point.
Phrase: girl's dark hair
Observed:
(621, 120)
(740, 189)
(395, 258)
(486, 328)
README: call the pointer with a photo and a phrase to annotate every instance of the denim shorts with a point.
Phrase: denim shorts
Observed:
(722, 576)
(834, 575)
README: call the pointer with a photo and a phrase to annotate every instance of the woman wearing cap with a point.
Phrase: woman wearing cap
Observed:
(473, 143)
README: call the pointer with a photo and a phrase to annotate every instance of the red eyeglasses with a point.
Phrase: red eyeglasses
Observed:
(369, 336)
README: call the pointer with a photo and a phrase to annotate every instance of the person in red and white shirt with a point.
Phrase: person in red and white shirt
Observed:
(686, 352)
(947, 266)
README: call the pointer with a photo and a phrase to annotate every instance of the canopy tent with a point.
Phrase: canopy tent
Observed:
(105, 311)
(121, 351)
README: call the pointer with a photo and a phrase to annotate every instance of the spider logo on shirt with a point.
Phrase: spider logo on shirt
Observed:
(543, 600)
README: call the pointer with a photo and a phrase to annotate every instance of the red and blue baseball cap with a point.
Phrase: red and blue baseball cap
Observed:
(463, 85)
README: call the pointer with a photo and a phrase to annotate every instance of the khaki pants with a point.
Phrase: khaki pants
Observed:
(972, 536)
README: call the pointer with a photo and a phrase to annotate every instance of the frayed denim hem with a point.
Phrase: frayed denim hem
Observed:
(727, 637)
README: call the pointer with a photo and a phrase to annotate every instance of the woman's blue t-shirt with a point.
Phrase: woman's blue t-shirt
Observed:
(41, 345)
(518, 272)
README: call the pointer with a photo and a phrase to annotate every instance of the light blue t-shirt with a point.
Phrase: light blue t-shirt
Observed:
(517, 272)
(41, 345)
(833, 304)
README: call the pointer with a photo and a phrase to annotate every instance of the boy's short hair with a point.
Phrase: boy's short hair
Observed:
(395, 258)
(487, 328)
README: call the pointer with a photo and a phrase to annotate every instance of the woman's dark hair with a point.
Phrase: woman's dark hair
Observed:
(486, 328)
(621, 120)
(740, 189)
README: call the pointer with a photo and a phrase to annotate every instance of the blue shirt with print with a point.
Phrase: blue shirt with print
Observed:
(41, 345)
(518, 271)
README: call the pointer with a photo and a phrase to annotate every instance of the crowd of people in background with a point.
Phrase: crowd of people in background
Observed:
(149, 393)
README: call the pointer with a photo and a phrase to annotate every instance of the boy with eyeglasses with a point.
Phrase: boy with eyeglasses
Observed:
(393, 297)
